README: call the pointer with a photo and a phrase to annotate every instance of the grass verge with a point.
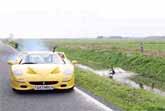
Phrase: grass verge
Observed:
(126, 98)
(151, 70)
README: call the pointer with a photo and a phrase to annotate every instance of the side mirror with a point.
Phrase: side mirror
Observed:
(74, 62)
(11, 62)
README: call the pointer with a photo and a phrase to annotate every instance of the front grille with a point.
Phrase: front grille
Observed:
(23, 86)
(43, 82)
(63, 85)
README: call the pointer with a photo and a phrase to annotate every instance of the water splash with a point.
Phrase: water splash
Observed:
(32, 45)
(123, 77)
(7, 52)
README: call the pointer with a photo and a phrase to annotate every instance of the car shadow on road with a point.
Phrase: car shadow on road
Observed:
(32, 92)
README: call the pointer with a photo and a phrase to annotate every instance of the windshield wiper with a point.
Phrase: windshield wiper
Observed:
(29, 63)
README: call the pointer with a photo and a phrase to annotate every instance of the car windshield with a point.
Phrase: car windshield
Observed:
(41, 59)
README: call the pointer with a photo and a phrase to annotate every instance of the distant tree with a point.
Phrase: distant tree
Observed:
(115, 37)
(100, 37)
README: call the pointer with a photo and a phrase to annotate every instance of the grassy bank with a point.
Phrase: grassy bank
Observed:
(12, 43)
(122, 96)
(151, 69)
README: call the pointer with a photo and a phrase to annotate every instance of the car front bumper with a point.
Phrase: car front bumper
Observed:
(32, 84)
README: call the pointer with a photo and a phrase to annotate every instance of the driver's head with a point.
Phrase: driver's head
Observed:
(61, 55)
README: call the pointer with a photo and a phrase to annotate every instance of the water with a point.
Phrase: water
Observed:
(123, 77)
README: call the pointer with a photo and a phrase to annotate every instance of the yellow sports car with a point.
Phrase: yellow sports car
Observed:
(42, 71)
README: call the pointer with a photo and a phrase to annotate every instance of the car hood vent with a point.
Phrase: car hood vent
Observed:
(41, 69)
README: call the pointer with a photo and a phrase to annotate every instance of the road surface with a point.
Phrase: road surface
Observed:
(47, 101)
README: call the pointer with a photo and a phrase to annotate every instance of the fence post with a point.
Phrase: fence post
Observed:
(141, 47)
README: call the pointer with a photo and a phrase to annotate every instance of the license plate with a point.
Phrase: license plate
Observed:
(43, 87)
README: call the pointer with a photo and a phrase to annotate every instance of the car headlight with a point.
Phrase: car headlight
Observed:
(68, 71)
(65, 79)
(20, 80)
(17, 72)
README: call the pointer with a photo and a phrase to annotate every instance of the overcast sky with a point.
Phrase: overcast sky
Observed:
(81, 18)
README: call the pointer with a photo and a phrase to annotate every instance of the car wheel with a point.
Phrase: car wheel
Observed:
(71, 89)
(17, 91)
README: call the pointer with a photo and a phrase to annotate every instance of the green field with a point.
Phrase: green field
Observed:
(149, 45)
(101, 54)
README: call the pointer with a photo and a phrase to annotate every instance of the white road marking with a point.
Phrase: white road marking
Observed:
(104, 107)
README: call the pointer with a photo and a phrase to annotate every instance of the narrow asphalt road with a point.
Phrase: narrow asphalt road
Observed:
(49, 101)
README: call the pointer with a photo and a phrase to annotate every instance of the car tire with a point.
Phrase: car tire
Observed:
(17, 91)
(71, 89)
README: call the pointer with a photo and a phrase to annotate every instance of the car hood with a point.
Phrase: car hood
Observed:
(42, 68)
